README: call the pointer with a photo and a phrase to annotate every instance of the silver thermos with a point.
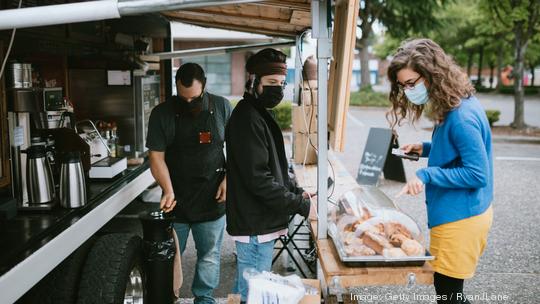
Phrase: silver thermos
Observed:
(39, 179)
(72, 183)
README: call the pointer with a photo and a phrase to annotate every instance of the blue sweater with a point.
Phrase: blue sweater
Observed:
(459, 176)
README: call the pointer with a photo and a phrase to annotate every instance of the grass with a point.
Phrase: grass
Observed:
(366, 97)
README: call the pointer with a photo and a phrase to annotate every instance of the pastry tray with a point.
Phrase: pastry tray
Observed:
(375, 198)
(378, 260)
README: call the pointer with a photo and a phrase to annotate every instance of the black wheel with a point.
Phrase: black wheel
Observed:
(113, 272)
(61, 285)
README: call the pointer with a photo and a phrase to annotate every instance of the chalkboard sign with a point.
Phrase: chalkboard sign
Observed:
(378, 158)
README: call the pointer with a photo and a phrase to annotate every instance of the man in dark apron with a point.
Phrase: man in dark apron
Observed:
(186, 140)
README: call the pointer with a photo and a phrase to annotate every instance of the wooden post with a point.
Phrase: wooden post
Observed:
(344, 40)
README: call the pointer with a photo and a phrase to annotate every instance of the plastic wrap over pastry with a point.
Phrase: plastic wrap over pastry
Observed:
(365, 222)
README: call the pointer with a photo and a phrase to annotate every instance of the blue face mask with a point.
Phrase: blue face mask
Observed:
(418, 94)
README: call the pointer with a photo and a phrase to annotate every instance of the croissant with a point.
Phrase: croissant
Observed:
(412, 247)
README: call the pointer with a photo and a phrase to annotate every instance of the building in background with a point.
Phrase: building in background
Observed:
(225, 74)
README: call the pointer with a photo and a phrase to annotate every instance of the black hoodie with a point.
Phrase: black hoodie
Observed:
(260, 196)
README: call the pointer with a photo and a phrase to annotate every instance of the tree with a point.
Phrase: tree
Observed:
(532, 58)
(398, 16)
(522, 19)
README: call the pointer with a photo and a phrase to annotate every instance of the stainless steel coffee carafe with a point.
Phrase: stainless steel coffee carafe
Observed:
(72, 182)
(40, 184)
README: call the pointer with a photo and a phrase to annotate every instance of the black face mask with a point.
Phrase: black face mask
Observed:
(271, 96)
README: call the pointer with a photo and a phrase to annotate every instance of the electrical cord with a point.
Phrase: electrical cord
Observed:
(309, 126)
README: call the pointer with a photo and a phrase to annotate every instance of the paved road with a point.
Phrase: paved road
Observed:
(505, 104)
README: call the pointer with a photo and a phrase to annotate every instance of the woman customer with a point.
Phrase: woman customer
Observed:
(459, 177)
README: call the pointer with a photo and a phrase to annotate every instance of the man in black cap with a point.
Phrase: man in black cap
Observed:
(261, 198)
(186, 137)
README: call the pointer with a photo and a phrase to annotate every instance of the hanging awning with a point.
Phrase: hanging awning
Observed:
(284, 18)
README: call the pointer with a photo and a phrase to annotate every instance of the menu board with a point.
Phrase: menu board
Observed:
(377, 158)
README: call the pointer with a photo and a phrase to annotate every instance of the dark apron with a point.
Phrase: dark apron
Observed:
(196, 166)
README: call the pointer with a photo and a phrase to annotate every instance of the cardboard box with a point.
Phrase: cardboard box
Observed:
(309, 93)
(302, 115)
(300, 141)
(312, 299)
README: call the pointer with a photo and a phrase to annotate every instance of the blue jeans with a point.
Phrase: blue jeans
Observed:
(251, 255)
(208, 237)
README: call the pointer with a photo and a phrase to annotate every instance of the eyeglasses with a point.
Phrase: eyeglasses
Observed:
(408, 84)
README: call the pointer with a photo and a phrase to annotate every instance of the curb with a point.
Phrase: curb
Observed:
(517, 139)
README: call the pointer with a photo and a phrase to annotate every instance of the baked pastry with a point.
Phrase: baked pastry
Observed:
(393, 253)
(363, 250)
(373, 225)
(359, 250)
(391, 228)
(366, 215)
(397, 239)
(346, 223)
(376, 241)
(412, 247)
(348, 237)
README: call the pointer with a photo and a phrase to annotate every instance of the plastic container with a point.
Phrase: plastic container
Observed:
(368, 229)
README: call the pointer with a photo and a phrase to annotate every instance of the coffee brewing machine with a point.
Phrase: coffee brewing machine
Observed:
(33, 183)
(39, 122)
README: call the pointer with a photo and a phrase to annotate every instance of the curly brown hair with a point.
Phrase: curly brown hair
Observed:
(448, 84)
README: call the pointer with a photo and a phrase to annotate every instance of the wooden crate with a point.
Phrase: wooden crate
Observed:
(301, 146)
(304, 119)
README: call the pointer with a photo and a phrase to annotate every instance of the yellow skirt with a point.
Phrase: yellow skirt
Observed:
(457, 246)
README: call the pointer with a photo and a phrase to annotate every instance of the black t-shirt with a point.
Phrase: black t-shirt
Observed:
(161, 125)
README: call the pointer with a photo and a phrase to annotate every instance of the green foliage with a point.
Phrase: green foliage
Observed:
(369, 98)
(532, 57)
(528, 90)
(386, 46)
(403, 17)
(493, 116)
(482, 89)
(282, 114)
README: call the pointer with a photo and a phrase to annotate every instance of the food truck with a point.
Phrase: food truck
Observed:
(78, 82)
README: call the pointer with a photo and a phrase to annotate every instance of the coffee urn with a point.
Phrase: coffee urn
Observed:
(39, 178)
(72, 182)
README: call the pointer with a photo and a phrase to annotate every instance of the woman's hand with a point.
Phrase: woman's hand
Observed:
(413, 187)
(416, 148)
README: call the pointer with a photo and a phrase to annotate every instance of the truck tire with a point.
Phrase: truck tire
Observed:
(61, 285)
(113, 271)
